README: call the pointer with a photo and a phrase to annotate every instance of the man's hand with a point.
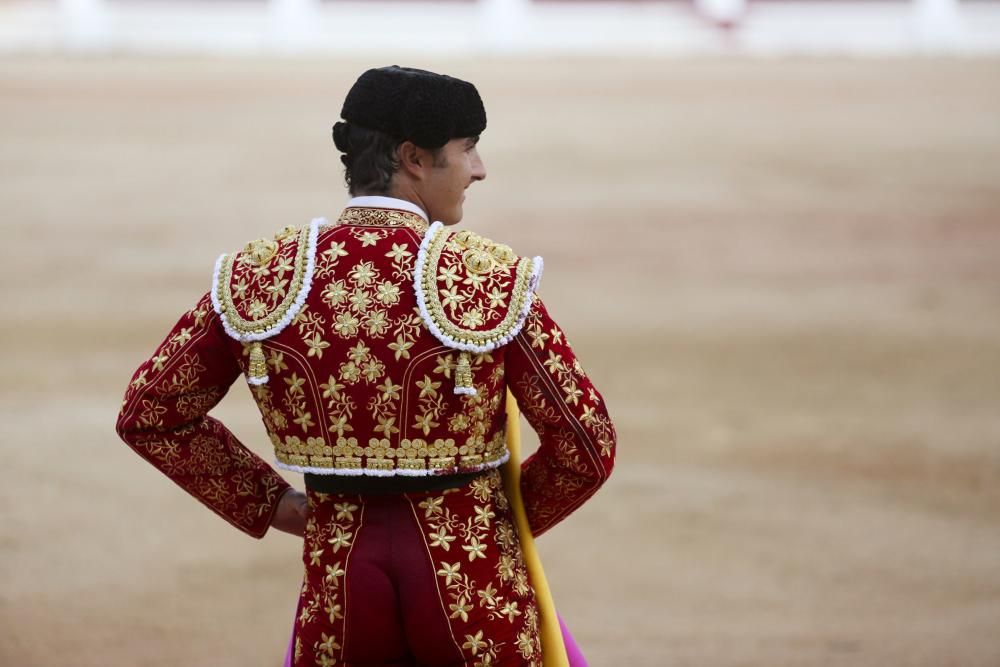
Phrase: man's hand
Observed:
(291, 514)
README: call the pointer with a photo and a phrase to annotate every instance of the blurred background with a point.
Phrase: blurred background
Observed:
(771, 231)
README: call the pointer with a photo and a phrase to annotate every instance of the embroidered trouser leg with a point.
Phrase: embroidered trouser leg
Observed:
(431, 579)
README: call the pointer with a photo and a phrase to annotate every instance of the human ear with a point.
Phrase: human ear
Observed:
(412, 159)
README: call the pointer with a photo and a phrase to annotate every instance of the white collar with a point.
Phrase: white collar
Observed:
(374, 201)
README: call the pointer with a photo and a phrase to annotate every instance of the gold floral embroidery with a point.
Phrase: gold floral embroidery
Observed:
(268, 302)
(261, 251)
(328, 259)
(569, 378)
(354, 358)
(457, 543)
(468, 289)
(383, 217)
(175, 342)
(323, 593)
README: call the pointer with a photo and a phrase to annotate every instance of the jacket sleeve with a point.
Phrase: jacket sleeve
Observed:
(164, 418)
(577, 438)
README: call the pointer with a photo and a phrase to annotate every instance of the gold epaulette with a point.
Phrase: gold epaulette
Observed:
(473, 293)
(252, 309)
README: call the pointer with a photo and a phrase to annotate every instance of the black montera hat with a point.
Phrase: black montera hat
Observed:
(413, 104)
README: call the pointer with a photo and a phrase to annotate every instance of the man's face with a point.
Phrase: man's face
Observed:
(457, 166)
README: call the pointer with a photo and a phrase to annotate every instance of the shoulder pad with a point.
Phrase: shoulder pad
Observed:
(260, 289)
(474, 294)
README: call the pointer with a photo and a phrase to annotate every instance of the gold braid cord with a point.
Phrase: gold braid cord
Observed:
(474, 292)
(254, 296)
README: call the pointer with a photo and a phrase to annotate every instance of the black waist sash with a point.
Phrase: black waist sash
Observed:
(367, 485)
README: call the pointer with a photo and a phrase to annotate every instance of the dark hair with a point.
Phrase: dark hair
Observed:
(369, 157)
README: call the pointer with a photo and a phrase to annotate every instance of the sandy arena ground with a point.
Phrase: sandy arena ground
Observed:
(783, 276)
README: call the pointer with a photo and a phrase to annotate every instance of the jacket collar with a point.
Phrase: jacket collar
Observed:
(372, 201)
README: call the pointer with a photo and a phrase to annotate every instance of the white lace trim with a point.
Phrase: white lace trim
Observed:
(418, 276)
(293, 309)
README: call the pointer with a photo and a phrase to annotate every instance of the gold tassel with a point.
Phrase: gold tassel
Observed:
(463, 375)
(258, 364)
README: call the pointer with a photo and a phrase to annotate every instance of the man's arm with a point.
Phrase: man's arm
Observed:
(577, 438)
(164, 418)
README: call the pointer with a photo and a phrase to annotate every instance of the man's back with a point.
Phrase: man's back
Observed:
(356, 383)
(380, 350)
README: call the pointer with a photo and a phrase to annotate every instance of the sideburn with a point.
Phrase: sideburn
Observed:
(439, 160)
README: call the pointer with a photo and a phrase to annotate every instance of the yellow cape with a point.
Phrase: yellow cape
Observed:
(553, 649)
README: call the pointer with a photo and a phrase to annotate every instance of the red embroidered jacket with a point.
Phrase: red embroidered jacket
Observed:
(380, 345)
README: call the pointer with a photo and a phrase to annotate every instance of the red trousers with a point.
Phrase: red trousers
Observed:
(430, 578)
